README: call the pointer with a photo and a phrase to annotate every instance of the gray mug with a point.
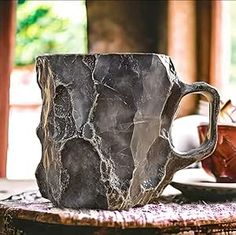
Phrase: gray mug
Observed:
(105, 128)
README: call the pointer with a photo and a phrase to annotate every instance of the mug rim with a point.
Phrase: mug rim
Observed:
(219, 125)
(103, 54)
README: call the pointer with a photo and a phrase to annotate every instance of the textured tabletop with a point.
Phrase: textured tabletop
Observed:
(171, 214)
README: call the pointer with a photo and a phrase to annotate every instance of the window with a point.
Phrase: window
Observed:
(42, 27)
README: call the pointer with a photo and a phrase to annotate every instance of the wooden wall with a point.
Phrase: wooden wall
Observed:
(127, 26)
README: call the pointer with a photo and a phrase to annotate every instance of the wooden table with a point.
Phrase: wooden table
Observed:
(29, 213)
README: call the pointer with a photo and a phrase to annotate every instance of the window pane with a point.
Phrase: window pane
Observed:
(43, 27)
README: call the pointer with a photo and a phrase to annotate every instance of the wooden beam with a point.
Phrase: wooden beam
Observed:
(220, 59)
(182, 45)
(204, 19)
(7, 39)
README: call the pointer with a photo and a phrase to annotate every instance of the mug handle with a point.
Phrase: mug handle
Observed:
(208, 146)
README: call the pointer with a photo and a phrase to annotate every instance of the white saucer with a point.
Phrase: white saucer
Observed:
(197, 183)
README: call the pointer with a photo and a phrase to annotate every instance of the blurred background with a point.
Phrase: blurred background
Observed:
(200, 37)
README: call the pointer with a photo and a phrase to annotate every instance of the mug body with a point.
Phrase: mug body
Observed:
(104, 128)
(101, 115)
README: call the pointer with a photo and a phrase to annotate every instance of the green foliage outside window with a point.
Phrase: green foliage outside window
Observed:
(40, 30)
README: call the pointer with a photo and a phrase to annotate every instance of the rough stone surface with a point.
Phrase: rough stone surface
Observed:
(105, 129)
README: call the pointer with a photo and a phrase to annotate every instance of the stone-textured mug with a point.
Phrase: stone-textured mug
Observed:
(105, 128)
